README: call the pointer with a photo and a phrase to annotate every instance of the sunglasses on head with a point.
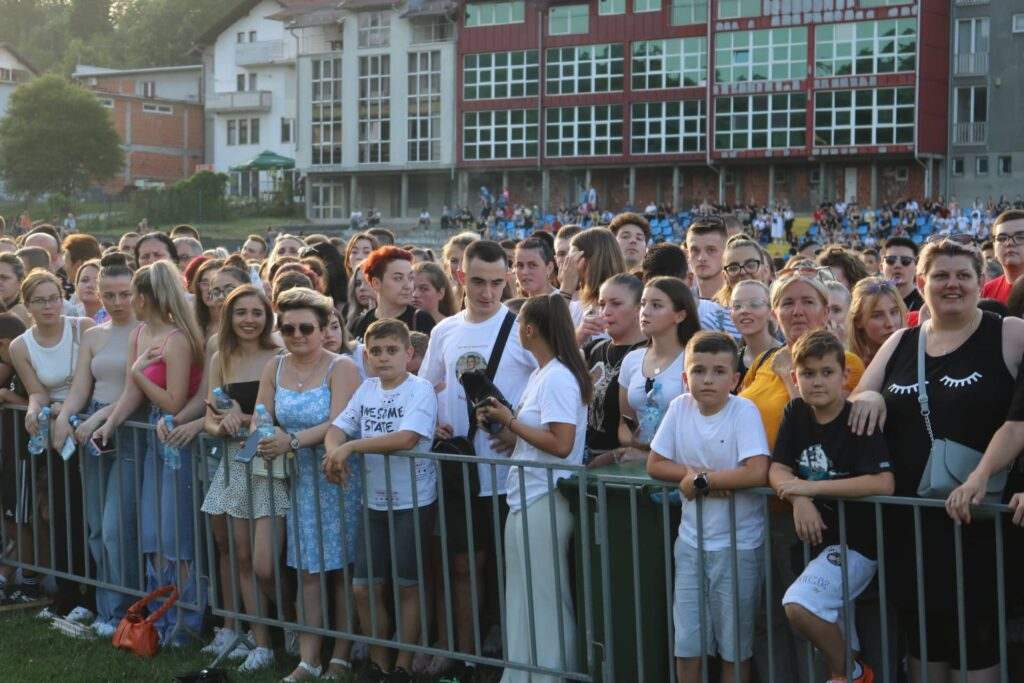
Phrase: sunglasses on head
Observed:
(304, 329)
(961, 238)
(879, 287)
(903, 260)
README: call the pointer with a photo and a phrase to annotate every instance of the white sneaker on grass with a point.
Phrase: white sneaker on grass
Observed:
(222, 639)
(257, 659)
(81, 615)
(103, 629)
(245, 645)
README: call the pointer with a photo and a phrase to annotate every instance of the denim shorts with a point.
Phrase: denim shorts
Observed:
(406, 568)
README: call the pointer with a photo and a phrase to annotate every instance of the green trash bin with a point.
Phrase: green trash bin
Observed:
(627, 614)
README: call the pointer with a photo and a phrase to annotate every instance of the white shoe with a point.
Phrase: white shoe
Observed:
(222, 639)
(241, 651)
(103, 629)
(81, 615)
(45, 614)
(258, 658)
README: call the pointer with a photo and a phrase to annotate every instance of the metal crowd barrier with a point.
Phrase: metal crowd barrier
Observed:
(620, 568)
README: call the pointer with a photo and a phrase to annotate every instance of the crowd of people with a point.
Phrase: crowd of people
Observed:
(831, 374)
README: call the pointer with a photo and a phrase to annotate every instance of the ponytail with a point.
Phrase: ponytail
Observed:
(550, 315)
(160, 283)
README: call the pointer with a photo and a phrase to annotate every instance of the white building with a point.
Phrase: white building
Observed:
(375, 106)
(14, 70)
(249, 61)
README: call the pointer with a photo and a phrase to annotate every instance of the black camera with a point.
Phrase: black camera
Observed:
(479, 390)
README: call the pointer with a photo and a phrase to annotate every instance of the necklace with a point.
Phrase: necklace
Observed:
(302, 380)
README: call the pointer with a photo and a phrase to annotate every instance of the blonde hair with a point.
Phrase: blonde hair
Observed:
(160, 283)
(36, 278)
(304, 298)
(866, 295)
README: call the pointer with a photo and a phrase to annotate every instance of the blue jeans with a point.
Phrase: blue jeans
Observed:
(110, 511)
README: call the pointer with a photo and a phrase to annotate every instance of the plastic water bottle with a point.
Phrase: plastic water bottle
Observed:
(37, 444)
(89, 447)
(264, 425)
(649, 416)
(221, 401)
(172, 456)
(70, 446)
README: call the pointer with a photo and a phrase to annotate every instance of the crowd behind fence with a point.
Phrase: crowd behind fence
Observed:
(618, 569)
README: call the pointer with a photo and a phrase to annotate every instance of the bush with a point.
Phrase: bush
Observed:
(199, 198)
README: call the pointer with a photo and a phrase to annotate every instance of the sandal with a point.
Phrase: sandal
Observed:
(343, 665)
(310, 672)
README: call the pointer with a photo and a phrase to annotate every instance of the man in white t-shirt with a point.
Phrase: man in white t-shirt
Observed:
(463, 342)
(390, 412)
(714, 445)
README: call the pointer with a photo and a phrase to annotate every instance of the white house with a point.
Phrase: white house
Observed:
(14, 70)
(249, 62)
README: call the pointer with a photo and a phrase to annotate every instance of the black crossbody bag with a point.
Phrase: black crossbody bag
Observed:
(451, 472)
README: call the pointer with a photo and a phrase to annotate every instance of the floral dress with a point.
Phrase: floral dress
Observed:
(324, 541)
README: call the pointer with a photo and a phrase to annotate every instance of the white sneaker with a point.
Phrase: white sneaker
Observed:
(45, 614)
(81, 615)
(222, 639)
(258, 658)
(103, 629)
(241, 651)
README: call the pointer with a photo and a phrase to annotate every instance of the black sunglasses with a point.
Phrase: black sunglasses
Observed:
(305, 329)
(904, 260)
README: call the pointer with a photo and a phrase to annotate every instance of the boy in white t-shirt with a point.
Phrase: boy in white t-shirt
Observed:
(389, 412)
(714, 445)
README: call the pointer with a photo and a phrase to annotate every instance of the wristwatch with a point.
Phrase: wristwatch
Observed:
(701, 482)
(294, 443)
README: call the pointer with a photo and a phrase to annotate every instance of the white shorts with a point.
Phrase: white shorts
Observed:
(819, 589)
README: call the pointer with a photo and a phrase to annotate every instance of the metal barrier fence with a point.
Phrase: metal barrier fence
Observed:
(616, 622)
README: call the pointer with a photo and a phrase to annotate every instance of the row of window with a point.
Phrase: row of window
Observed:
(574, 19)
(247, 131)
(881, 116)
(1004, 165)
(873, 47)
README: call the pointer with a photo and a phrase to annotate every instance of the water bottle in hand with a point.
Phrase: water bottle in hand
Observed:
(262, 423)
(89, 446)
(37, 444)
(171, 455)
(221, 401)
(70, 446)
(649, 416)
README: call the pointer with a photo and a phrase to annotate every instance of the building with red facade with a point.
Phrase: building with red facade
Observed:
(682, 101)
(158, 114)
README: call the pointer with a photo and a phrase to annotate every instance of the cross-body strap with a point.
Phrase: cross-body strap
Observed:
(922, 392)
(492, 365)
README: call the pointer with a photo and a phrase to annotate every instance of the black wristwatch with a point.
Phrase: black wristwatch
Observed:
(701, 482)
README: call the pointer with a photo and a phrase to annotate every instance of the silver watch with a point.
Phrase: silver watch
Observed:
(294, 444)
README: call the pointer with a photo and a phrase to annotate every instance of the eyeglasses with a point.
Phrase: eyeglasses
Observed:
(750, 266)
(753, 305)
(42, 302)
(222, 292)
(1010, 238)
(304, 329)
(905, 261)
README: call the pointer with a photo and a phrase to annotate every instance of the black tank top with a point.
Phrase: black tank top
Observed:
(245, 393)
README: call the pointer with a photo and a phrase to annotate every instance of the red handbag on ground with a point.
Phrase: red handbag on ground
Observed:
(136, 632)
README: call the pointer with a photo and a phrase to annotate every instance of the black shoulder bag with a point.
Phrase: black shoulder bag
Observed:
(451, 472)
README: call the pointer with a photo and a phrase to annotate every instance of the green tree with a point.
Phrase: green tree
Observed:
(57, 137)
(90, 17)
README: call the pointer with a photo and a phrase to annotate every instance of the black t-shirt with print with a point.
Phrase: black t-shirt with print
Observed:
(604, 360)
(831, 451)
(415, 319)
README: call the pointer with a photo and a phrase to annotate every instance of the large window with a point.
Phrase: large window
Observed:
(672, 63)
(564, 20)
(325, 133)
(607, 7)
(583, 131)
(500, 75)
(425, 106)
(970, 46)
(494, 13)
(882, 3)
(970, 115)
(584, 69)
(866, 47)
(327, 200)
(499, 134)
(646, 6)
(668, 127)
(734, 9)
(761, 121)
(881, 116)
(689, 12)
(374, 29)
(375, 109)
(767, 55)
(431, 30)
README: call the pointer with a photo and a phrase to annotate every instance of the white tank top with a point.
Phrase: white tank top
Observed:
(55, 365)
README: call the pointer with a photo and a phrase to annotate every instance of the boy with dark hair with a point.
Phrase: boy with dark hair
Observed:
(705, 245)
(816, 454)
(713, 443)
(418, 341)
(899, 265)
(391, 411)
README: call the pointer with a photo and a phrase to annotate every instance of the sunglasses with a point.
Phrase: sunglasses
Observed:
(905, 261)
(879, 287)
(304, 329)
(959, 237)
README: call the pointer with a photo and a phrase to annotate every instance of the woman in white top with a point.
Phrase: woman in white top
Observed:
(44, 358)
(651, 377)
(551, 426)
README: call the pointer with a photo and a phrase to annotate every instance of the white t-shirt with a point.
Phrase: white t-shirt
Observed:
(631, 376)
(456, 345)
(552, 395)
(716, 442)
(375, 411)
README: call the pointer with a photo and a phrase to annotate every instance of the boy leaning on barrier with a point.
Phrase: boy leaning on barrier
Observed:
(714, 445)
(816, 454)
(390, 412)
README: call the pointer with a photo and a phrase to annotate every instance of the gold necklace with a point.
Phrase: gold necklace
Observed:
(308, 376)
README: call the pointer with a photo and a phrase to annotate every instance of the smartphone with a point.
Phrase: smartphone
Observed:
(248, 451)
(103, 449)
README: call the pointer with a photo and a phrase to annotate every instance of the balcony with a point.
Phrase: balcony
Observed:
(255, 100)
(259, 52)
(971, 64)
(970, 133)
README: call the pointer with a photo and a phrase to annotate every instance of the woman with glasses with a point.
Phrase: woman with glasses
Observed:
(165, 369)
(110, 476)
(304, 390)
(743, 261)
(752, 316)
(876, 312)
(44, 358)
